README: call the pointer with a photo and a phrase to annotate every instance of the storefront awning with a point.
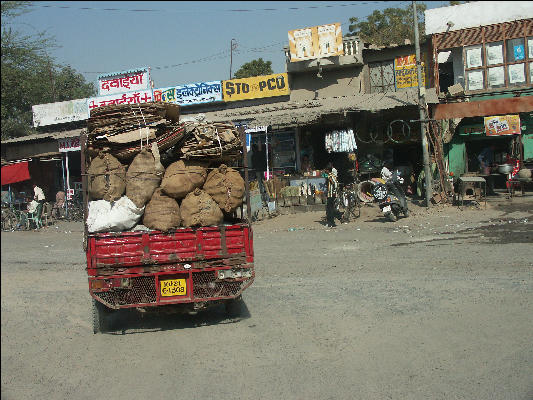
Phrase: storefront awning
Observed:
(15, 173)
(484, 108)
(294, 113)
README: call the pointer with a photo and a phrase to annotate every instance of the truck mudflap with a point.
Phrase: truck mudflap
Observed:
(162, 288)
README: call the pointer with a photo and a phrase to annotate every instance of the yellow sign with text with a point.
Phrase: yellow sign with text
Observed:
(502, 125)
(256, 87)
(405, 71)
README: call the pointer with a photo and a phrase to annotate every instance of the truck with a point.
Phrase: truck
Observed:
(183, 270)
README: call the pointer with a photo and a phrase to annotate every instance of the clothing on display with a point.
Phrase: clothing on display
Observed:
(340, 141)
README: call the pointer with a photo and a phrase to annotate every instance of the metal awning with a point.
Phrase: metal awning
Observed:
(294, 113)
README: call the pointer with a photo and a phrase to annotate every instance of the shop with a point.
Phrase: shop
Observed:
(482, 144)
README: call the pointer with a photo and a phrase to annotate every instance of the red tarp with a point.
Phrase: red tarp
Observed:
(15, 173)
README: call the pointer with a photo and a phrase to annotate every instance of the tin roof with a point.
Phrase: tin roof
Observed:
(48, 135)
(293, 113)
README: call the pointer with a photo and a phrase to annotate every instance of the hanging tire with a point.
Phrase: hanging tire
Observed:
(100, 317)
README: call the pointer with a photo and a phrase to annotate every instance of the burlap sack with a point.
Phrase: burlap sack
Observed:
(199, 209)
(162, 213)
(143, 177)
(107, 178)
(226, 186)
(182, 177)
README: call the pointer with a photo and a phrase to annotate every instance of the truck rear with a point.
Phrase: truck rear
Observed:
(184, 269)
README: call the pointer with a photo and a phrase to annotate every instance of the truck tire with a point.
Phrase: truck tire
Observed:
(100, 316)
(392, 217)
(234, 306)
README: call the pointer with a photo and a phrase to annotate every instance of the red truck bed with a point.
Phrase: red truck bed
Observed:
(126, 269)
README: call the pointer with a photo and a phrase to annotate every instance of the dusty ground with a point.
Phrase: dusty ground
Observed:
(435, 306)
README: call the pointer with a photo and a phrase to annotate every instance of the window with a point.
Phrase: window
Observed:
(382, 77)
(499, 64)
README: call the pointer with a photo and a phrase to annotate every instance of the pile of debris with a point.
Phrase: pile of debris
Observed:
(205, 141)
(129, 180)
(122, 129)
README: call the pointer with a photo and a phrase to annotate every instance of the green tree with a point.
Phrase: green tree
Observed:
(30, 75)
(393, 25)
(254, 68)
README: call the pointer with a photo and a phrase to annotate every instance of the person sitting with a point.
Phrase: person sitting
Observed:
(59, 206)
(306, 164)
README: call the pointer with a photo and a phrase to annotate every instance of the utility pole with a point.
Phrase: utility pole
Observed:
(422, 109)
(232, 46)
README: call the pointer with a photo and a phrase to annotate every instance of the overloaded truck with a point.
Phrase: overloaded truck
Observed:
(164, 218)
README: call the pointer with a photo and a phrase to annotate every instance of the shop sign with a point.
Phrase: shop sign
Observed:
(315, 42)
(256, 87)
(502, 125)
(69, 144)
(195, 93)
(59, 113)
(125, 81)
(142, 96)
(405, 71)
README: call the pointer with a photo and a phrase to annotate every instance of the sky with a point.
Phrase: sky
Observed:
(182, 42)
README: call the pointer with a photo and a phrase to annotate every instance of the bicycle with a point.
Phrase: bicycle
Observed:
(74, 212)
(13, 219)
(348, 203)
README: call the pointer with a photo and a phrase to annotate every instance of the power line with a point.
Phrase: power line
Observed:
(151, 10)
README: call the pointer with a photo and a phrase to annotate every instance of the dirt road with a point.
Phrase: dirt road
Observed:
(435, 306)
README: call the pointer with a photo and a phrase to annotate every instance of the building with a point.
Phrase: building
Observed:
(482, 64)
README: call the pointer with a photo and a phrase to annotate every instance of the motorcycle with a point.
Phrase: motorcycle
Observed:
(391, 197)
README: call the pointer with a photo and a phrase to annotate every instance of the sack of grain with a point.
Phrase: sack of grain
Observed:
(199, 209)
(143, 177)
(226, 186)
(182, 177)
(107, 178)
(162, 212)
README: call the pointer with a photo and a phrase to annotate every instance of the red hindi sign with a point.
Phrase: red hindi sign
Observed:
(123, 82)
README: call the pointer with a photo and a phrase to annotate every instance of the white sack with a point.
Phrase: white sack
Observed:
(118, 216)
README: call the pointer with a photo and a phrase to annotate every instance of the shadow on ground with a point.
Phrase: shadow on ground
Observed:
(132, 321)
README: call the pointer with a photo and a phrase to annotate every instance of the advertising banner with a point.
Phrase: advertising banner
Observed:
(256, 87)
(69, 144)
(125, 81)
(315, 42)
(405, 71)
(502, 125)
(195, 93)
(143, 96)
(59, 113)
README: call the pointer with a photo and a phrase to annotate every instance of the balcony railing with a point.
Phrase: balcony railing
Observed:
(351, 47)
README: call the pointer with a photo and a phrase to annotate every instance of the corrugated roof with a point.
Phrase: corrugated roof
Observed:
(292, 113)
(48, 135)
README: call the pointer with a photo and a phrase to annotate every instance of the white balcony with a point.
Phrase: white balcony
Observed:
(352, 55)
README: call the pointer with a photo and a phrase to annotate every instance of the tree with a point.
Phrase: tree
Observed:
(393, 25)
(30, 75)
(254, 68)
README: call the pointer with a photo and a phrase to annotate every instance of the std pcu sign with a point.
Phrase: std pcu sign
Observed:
(256, 87)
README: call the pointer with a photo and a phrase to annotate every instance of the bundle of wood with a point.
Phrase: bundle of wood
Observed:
(121, 129)
(213, 141)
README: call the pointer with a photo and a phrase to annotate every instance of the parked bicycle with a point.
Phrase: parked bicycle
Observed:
(74, 211)
(347, 202)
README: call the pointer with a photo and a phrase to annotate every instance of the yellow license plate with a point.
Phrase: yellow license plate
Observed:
(173, 287)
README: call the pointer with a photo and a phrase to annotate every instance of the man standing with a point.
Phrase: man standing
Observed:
(39, 194)
(331, 213)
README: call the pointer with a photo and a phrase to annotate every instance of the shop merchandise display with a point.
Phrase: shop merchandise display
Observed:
(340, 141)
